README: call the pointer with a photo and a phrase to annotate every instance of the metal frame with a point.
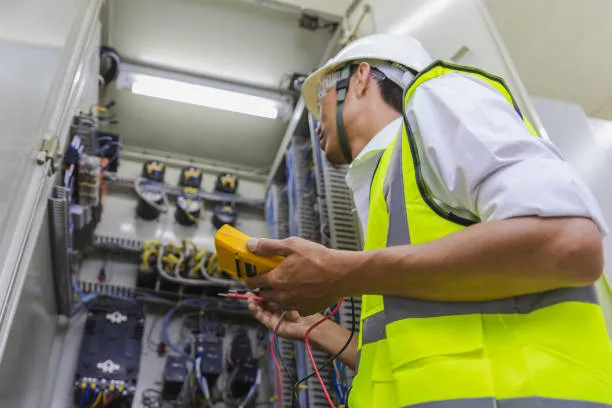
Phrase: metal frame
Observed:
(142, 155)
(127, 184)
(289, 8)
(61, 247)
(298, 111)
(336, 209)
(277, 202)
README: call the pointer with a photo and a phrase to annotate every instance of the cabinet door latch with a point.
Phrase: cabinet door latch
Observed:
(49, 151)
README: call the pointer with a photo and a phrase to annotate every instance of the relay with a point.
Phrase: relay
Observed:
(245, 377)
(210, 350)
(175, 376)
(243, 364)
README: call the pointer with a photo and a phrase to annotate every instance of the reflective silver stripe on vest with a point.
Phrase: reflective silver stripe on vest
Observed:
(393, 187)
(460, 403)
(398, 308)
(373, 328)
(357, 360)
(534, 402)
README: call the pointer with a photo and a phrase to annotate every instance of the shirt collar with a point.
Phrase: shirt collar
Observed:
(379, 142)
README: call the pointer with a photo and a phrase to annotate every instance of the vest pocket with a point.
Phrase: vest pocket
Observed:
(415, 339)
(439, 359)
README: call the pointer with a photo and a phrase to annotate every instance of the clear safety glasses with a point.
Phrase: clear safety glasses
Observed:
(330, 80)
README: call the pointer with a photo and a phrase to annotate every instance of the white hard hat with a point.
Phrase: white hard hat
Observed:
(405, 51)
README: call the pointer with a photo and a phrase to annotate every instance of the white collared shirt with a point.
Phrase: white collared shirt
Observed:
(478, 157)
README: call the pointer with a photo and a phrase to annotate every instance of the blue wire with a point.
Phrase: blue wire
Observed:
(88, 298)
(251, 393)
(340, 388)
(84, 397)
(168, 317)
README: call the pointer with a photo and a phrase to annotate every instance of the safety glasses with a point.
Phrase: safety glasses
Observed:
(331, 80)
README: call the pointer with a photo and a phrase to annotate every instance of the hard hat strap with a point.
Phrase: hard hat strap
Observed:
(341, 90)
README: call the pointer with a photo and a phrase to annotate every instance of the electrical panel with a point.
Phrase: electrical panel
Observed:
(109, 359)
(309, 198)
(212, 356)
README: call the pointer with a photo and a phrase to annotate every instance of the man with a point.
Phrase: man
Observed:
(482, 244)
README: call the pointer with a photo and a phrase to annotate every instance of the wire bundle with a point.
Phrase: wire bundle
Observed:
(342, 388)
(97, 397)
(196, 376)
(184, 264)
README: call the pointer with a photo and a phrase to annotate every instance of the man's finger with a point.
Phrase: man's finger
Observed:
(269, 295)
(259, 282)
(268, 247)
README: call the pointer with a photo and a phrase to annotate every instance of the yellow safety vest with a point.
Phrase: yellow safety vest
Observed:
(546, 350)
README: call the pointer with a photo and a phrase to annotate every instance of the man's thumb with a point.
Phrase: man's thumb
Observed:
(267, 247)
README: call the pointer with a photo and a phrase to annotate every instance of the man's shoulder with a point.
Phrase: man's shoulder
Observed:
(456, 83)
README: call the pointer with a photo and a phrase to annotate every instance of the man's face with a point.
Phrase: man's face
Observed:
(327, 130)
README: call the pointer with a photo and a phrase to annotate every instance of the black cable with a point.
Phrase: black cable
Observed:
(109, 75)
(295, 397)
(277, 347)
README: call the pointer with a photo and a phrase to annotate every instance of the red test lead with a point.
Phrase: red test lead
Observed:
(241, 297)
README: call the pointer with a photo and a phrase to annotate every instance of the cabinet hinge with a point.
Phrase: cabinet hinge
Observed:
(49, 151)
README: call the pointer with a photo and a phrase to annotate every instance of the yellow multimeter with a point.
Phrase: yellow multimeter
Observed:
(234, 257)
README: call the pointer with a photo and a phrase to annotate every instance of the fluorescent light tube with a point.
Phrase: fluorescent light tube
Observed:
(216, 98)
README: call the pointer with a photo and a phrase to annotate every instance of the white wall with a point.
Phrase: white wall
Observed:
(550, 41)
(602, 130)
(227, 39)
(39, 21)
(570, 129)
(224, 38)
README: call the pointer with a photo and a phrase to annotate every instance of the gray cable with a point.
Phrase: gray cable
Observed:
(179, 279)
(161, 208)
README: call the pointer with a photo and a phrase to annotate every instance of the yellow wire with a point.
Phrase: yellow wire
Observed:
(145, 257)
(200, 254)
(187, 241)
(97, 401)
(146, 244)
(213, 267)
(195, 270)
(171, 259)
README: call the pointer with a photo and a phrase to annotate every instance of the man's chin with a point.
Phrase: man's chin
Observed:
(333, 158)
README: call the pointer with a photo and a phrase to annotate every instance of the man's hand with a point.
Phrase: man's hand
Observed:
(329, 336)
(293, 326)
(306, 280)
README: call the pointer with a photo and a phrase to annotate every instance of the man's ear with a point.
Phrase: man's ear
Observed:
(360, 79)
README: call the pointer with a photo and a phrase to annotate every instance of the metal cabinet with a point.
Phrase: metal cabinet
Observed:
(44, 73)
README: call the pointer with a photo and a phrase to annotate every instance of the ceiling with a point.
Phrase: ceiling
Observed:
(558, 47)
(326, 8)
(561, 48)
(235, 40)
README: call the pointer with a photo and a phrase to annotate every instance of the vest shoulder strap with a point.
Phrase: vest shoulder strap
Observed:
(439, 68)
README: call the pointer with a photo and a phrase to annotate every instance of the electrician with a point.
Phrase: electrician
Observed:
(482, 244)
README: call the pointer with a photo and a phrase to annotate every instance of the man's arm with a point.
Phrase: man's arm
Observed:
(331, 337)
(328, 336)
(487, 261)
(541, 227)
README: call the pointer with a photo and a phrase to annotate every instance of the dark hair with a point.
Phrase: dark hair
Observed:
(392, 94)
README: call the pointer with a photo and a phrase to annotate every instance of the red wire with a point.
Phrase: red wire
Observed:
(279, 373)
(309, 350)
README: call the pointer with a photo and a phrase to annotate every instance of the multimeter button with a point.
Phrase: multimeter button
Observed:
(251, 270)
(238, 271)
